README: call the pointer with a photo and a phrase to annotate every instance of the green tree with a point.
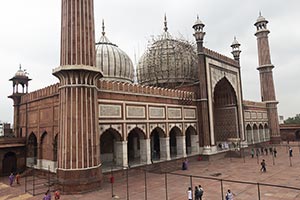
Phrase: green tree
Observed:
(293, 120)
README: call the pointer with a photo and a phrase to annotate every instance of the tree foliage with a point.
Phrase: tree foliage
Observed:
(293, 120)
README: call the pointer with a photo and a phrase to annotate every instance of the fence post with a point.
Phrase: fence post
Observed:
(273, 158)
(166, 185)
(258, 190)
(48, 177)
(33, 183)
(145, 184)
(191, 182)
(222, 192)
(127, 184)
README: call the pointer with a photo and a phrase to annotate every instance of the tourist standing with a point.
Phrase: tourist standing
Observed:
(229, 195)
(56, 195)
(18, 178)
(11, 179)
(201, 191)
(263, 166)
(190, 193)
(197, 193)
(290, 152)
(275, 152)
(252, 153)
(47, 195)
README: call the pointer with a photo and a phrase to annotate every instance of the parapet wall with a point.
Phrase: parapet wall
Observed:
(221, 57)
(41, 93)
(254, 104)
(121, 87)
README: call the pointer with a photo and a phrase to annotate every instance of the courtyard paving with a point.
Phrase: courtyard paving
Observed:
(282, 172)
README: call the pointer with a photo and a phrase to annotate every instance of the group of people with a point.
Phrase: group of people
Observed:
(199, 193)
(47, 195)
(264, 150)
(13, 178)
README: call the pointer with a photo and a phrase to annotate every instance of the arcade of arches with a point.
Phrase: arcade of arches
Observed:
(139, 148)
(257, 133)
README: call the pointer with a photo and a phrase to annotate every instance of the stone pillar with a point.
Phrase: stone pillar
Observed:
(121, 153)
(145, 151)
(180, 145)
(79, 164)
(195, 144)
(165, 148)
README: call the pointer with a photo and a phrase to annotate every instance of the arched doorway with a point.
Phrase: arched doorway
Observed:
(155, 143)
(9, 163)
(249, 134)
(108, 147)
(32, 150)
(43, 145)
(297, 135)
(191, 139)
(261, 133)
(174, 133)
(267, 132)
(225, 111)
(255, 133)
(134, 146)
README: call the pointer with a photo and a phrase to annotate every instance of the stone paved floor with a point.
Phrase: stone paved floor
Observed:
(228, 169)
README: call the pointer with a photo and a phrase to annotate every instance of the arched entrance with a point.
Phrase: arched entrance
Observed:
(32, 150)
(255, 133)
(225, 111)
(9, 163)
(191, 140)
(109, 148)
(43, 145)
(249, 134)
(134, 146)
(174, 133)
(155, 143)
(267, 132)
(55, 147)
(261, 133)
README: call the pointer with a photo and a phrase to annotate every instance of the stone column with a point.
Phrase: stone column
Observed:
(145, 151)
(79, 164)
(180, 145)
(195, 144)
(165, 148)
(121, 153)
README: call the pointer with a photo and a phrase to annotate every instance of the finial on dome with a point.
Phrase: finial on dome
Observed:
(260, 13)
(20, 66)
(103, 27)
(166, 24)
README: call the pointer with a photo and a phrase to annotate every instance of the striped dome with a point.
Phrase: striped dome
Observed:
(114, 63)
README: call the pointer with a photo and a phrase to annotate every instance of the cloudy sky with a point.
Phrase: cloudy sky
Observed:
(30, 35)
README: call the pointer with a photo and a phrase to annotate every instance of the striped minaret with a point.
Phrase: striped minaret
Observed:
(79, 165)
(265, 69)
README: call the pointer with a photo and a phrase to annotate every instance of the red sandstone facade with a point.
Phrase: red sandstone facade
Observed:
(83, 125)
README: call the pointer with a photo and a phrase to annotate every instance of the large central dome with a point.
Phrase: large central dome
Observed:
(114, 63)
(168, 63)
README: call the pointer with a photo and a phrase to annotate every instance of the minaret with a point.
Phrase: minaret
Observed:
(20, 79)
(266, 76)
(203, 113)
(79, 165)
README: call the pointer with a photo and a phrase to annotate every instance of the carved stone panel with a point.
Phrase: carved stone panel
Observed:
(189, 113)
(110, 111)
(174, 113)
(135, 112)
(156, 112)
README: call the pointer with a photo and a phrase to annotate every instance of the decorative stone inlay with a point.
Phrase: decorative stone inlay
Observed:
(110, 111)
(135, 112)
(156, 112)
(174, 113)
(190, 113)
(253, 115)
(247, 115)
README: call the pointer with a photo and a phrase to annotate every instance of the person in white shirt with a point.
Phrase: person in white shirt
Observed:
(229, 195)
(190, 194)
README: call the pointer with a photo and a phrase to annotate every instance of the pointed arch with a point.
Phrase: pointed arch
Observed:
(267, 131)
(261, 133)
(249, 134)
(134, 145)
(174, 133)
(255, 133)
(225, 110)
(155, 142)
(9, 163)
(32, 149)
(55, 148)
(189, 139)
(43, 145)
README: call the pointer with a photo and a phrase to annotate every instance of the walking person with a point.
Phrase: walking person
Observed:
(11, 179)
(190, 193)
(197, 193)
(263, 166)
(229, 195)
(56, 195)
(47, 195)
(275, 152)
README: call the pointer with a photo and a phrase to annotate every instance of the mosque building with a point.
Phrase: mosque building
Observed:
(188, 101)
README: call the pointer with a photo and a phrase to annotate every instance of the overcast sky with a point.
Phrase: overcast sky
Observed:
(30, 35)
